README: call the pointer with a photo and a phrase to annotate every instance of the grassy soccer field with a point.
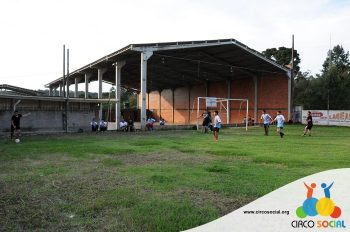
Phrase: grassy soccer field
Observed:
(161, 181)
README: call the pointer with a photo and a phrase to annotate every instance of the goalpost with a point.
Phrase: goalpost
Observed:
(212, 102)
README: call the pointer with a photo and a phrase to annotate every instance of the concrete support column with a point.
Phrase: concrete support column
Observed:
(145, 55)
(100, 73)
(229, 102)
(50, 91)
(255, 98)
(118, 74)
(87, 80)
(76, 82)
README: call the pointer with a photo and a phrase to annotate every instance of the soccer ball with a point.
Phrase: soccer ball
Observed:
(17, 140)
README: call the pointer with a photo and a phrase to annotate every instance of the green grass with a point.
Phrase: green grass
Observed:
(162, 181)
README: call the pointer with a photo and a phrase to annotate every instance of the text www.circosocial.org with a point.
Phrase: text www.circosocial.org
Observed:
(285, 212)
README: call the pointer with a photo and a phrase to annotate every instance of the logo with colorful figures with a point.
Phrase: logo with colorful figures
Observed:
(324, 206)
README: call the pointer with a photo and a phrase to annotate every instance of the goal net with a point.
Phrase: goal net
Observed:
(224, 107)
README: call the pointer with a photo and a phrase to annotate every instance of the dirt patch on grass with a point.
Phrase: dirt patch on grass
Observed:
(274, 165)
(222, 203)
(166, 158)
(40, 198)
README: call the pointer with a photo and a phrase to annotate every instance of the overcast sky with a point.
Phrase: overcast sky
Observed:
(34, 31)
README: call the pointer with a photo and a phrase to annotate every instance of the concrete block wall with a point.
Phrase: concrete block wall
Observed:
(48, 121)
(46, 116)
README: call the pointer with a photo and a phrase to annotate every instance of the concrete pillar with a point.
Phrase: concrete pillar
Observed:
(50, 91)
(99, 79)
(100, 73)
(118, 74)
(145, 55)
(229, 102)
(255, 98)
(76, 82)
(87, 80)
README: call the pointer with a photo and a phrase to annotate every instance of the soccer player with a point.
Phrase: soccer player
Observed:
(149, 123)
(217, 125)
(206, 121)
(309, 124)
(266, 118)
(280, 122)
(16, 124)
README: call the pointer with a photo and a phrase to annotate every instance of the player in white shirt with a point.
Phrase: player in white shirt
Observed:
(217, 125)
(267, 119)
(280, 123)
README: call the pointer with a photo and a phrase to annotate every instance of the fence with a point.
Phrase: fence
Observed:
(331, 117)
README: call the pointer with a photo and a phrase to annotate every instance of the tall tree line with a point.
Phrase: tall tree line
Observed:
(329, 89)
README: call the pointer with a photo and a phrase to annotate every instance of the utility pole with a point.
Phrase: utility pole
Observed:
(64, 70)
(292, 82)
(292, 56)
(67, 77)
(67, 98)
(329, 66)
(64, 115)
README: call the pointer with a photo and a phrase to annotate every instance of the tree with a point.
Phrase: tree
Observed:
(283, 56)
(302, 88)
(337, 83)
(336, 76)
(309, 91)
(339, 58)
(128, 97)
(328, 90)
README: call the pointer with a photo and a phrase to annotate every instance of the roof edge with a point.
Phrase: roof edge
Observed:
(172, 46)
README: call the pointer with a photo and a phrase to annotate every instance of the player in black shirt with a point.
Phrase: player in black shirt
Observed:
(16, 124)
(309, 124)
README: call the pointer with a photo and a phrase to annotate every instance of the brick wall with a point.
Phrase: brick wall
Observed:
(273, 93)
(272, 96)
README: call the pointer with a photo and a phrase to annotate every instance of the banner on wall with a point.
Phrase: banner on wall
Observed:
(331, 117)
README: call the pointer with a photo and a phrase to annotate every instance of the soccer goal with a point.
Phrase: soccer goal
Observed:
(223, 106)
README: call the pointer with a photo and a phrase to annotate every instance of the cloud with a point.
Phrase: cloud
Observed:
(33, 32)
